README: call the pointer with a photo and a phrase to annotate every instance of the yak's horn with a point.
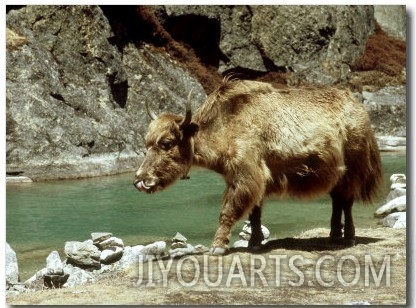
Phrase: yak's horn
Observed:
(188, 112)
(151, 114)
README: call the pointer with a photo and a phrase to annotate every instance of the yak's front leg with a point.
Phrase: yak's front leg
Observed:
(237, 201)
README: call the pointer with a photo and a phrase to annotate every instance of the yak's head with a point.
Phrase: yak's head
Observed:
(169, 144)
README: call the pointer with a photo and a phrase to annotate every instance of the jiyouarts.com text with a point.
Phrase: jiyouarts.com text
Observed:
(269, 271)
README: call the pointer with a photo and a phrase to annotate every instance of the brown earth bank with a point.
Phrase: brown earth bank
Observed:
(306, 269)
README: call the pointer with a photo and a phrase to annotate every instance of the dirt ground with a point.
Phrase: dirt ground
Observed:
(306, 269)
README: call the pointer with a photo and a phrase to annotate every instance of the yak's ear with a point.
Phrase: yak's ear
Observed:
(190, 129)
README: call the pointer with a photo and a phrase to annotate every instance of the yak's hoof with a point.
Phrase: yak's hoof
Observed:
(349, 242)
(217, 251)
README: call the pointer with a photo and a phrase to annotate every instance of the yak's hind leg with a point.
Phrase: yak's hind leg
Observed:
(349, 229)
(256, 234)
(342, 203)
(336, 224)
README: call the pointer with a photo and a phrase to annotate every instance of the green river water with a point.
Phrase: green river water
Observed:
(42, 216)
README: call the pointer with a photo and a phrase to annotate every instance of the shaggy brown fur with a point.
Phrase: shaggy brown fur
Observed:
(294, 142)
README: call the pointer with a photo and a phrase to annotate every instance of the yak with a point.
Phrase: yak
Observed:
(295, 142)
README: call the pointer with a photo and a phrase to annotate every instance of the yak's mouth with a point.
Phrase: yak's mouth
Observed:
(146, 186)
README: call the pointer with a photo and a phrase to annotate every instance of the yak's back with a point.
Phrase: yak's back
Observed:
(244, 98)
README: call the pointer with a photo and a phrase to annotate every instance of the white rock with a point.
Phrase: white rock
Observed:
(131, 255)
(179, 252)
(126, 258)
(244, 236)
(397, 186)
(111, 254)
(179, 238)
(110, 242)
(88, 242)
(391, 143)
(77, 276)
(395, 205)
(100, 236)
(398, 178)
(200, 248)
(18, 179)
(395, 220)
(137, 249)
(264, 230)
(12, 268)
(107, 268)
(247, 227)
(82, 253)
(155, 249)
(240, 244)
(395, 193)
(175, 245)
(54, 264)
(401, 222)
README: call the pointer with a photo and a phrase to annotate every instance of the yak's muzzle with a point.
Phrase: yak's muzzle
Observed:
(148, 186)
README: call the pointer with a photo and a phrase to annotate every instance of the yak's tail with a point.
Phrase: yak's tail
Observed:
(373, 183)
(364, 179)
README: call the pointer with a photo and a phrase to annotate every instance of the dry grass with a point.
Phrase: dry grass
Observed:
(383, 53)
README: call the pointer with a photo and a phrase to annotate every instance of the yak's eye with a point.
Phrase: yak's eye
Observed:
(166, 144)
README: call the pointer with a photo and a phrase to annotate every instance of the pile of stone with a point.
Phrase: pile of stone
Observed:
(111, 247)
(245, 235)
(180, 247)
(86, 261)
(393, 211)
(54, 275)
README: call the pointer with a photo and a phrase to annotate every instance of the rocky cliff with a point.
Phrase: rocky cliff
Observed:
(77, 77)
(75, 102)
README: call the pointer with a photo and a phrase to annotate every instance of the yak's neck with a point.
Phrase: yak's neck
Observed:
(204, 152)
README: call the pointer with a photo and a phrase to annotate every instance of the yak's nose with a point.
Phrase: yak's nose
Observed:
(136, 182)
(146, 185)
(141, 185)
